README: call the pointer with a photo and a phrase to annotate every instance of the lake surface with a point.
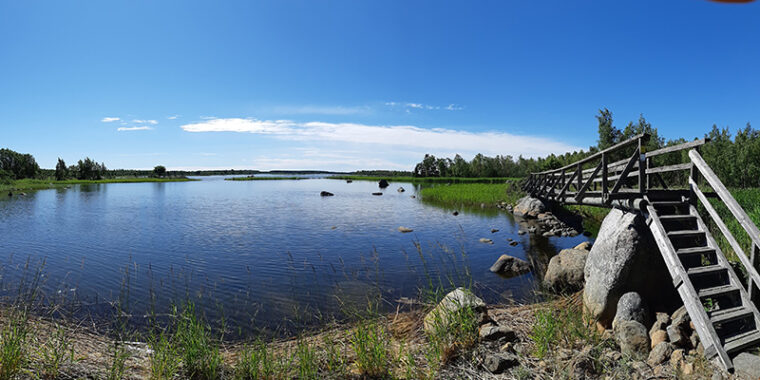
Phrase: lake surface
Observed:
(267, 255)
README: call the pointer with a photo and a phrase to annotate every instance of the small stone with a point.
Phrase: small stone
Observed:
(498, 363)
(677, 358)
(680, 318)
(548, 234)
(326, 194)
(486, 241)
(660, 323)
(676, 336)
(494, 332)
(586, 246)
(632, 338)
(508, 347)
(660, 354)
(494, 230)
(521, 232)
(455, 213)
(513, 243)
(403, 229)
(658, 337)
(687, 368)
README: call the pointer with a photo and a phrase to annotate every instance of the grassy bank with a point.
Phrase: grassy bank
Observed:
(41, 184)
(263, 178)
(472, 194)
(497, 180)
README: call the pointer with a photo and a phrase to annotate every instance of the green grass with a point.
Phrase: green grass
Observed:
(264, 178)
(42, 184)
(13, 346)
(370, 344)
(200, 354)
(471, 194)
(495, 180)
(749, 200)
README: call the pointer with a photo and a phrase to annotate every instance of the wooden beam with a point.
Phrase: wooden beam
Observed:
(624, 174)
(675, 148)
(588, 183)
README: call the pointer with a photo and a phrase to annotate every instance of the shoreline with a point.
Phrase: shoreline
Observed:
(41, 184)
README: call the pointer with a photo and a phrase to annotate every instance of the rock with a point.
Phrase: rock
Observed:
(349, 181)
(694, 339)
(498, 363)
(377, 193)
(548, 234)
(456, 300)
(494, 230)
(528, 207)
(513, 243)
(660, 354)
(486, 241)
(508, 347)
(657, 337)
(510, 266)
(403, 229)
(623, 258)
(630, 307)
(400, 190)
(687, 368)
(413, 196)
(747, 365)
(494, 332)
(455, 213)
(585, 246)
(632, 338)
(681, 318)
(522, 232)
(383, 184)
(677, 358)
(661, 322)
(677, 336)
(565, 270)
(326, 194)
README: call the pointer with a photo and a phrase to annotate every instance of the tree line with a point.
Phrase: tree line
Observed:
(735, 159)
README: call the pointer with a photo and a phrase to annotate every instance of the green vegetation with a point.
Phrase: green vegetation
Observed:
(40, 184)
(370, 344)
(496, 180)
(471, 194)
(13, 345)
(252, 178)
(749, 200)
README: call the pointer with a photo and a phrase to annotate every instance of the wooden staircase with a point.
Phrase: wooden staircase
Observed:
(723, 315)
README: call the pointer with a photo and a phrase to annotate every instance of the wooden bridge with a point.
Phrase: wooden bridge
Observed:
(722, 307)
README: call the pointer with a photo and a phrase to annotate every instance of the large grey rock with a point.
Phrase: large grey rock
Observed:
(510, 266)
(630, 307)
(623, 258)
(747, 366)
(632, 338)
(456, 300)
(565, 270)
(528, 207)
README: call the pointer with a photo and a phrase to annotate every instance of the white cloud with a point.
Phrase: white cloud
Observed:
(454, 107)
(433, 140)
(110, 119)
(320, 110)
(151, 122)
(173, 117)
(143, 128)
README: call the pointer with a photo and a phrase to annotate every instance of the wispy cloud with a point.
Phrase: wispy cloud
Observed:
(109, 119)
(173, 117)
(420, 106)
(320, 110)
(433, 140)
(142, 128)
(151, 122)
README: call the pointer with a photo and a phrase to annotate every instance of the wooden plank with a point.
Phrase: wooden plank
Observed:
(726, 197)
(675, 148)
(586, 185)
(642, 168)
(624, 174)
(751, 271)
(567, 185)
(604, 177)
(632, 140)
(669, 168)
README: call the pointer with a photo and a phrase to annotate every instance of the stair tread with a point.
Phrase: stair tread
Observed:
(740, 341)
(706, 269)
(677, 217)
(729, 314)
(708, 292)
(685, 233)
(668, 203)
(686, 251)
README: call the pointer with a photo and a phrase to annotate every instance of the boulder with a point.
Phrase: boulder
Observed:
(403, 229)
(498, 363)
(565, 270)
(747, 365)
(677, 336)
(455, 213)
(630, 307)
(326, 194)
(528, 207)
(456, 300)
(680, 318)
(624, 258)
(585, 246)
(660, 354)
(632, 338)
(383, 184)
(510, 266)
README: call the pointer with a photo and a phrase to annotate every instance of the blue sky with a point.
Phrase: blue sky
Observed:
(346, 85)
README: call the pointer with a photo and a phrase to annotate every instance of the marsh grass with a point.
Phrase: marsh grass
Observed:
(165, 359)
(42, 184)
(450, 180)
(200, 354)
(55, 353)
(369, 342)
(472, 194)
(14, 348)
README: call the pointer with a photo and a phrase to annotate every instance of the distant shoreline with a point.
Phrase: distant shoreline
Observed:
(42, 184)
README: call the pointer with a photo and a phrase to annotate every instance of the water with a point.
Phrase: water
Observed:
(264, 254)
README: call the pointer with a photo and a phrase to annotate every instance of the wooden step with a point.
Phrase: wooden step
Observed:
(716, 291)
(678, 217)
(695, 251)
(717, 268)
(731, 314)
(686, 233)
(741, 341)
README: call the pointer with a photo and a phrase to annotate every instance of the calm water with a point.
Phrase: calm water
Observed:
(265, 254)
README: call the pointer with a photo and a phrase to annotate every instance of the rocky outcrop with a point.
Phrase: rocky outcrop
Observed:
(528, 207)
(565, 270)
(624, 258)
(510, 266)
(383, 184)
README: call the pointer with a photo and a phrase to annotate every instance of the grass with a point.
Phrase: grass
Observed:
(749, 200)
(13, 345)
(472, 194)
(200, 354)
(369, 342)
(491, 180)
(42, 184)
(251, 178)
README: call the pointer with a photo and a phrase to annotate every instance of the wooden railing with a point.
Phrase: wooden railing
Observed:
(596, 181)
(720, 191)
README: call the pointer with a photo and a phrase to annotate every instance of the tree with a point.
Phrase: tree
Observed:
(90, 170)
(159, 171)
(19, 165)
(608, 134)
(61, 172)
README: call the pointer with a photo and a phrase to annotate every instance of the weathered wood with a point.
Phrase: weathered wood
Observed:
(675, 148)
(567, 185)
(642, 168)
(669, 168)
(597, 155)
(604, 176)
(624, 174)
(588, 182)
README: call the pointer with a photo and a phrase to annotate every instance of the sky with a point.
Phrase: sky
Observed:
(348, 85)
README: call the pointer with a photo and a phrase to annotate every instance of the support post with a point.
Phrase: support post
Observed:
(605, 194)
(642, 168)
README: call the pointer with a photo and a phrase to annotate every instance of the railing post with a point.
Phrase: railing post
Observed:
(580, 178)
(642, 168)
(751, 286)
(605, 195)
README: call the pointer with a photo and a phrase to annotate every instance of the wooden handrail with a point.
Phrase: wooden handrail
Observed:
(634, 139)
